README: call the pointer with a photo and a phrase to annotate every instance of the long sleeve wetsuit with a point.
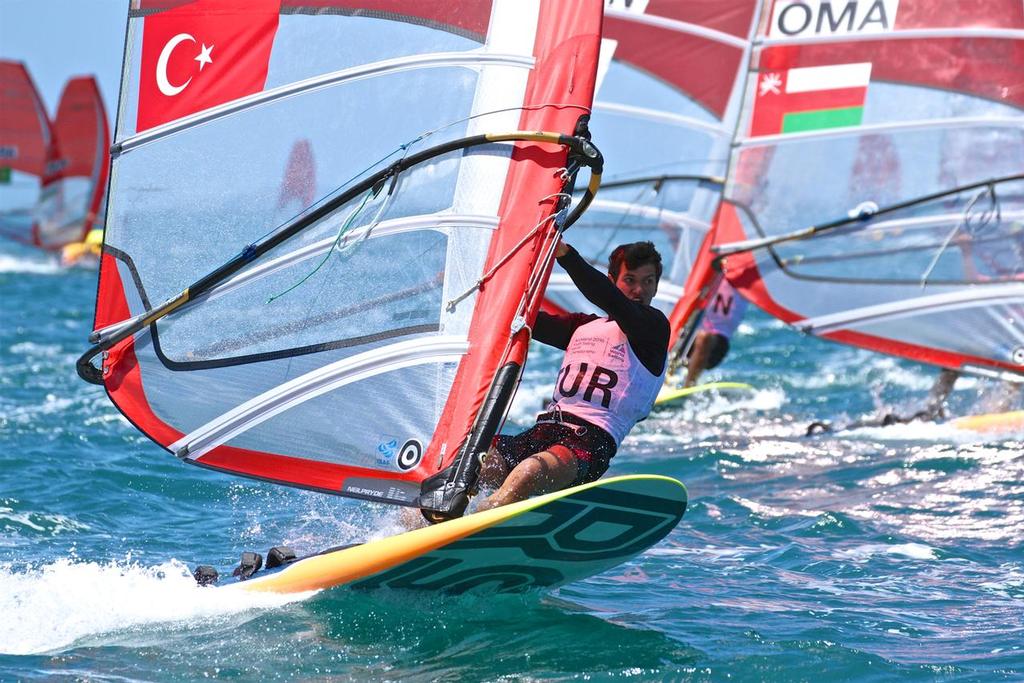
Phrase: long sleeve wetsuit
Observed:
(646, 328)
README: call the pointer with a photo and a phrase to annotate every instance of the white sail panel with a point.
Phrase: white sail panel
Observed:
(328, 361)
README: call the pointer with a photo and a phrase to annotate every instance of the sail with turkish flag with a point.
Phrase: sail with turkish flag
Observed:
(358, 329)
(71, 203)
(665, 111)
(28, 152)
(875, 193)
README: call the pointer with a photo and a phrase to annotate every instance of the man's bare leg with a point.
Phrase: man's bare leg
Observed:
(543, 472)
(935, 403)
(698, 358)
(493, 471)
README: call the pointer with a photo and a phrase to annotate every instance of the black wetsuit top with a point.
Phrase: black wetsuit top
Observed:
(646, 328)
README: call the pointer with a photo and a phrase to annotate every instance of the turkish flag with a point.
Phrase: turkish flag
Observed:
(202, 54)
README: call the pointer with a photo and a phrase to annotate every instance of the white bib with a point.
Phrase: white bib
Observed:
(603, 382)
(724, 312)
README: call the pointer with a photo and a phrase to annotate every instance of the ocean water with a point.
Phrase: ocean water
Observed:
(874, 554)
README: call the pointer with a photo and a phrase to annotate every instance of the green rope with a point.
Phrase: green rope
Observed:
(337, 240)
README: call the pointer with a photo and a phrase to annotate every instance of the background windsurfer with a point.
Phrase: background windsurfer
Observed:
(611, 374)
(711, 344)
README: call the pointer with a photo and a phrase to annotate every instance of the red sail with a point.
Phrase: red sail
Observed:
(84, 135)
(28, 151)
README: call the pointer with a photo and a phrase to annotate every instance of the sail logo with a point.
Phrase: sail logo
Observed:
(814, 18)
(8, 151)
(410, 454)
(162, 80)
(810, 98)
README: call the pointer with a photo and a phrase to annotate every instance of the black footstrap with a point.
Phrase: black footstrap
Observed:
(250, 564)
(280, 555)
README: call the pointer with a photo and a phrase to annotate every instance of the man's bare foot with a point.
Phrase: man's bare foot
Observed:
(411, 518)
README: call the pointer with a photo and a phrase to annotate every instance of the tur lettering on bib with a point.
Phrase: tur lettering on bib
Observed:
(603, 382)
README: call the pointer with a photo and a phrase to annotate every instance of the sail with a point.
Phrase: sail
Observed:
(27, 152)
(896, 129)
(664, 112)
(298, 185)
(71, 202)
(371, 342)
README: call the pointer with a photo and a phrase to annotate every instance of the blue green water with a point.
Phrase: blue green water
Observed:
(876, 554)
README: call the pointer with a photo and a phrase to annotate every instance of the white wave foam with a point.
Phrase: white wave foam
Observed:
(918, 431)
(26, 414)
(55, 607)
(37, 521)
(33, 349)
(862, 553)
(14, 264)
(770, 511)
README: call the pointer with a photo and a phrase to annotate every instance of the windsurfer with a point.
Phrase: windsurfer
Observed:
(711, 344)
(611, 374)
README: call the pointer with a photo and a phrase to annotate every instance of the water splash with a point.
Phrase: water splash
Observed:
(67, 603)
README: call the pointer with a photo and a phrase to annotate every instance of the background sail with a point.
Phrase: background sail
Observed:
(335, 361)
(934, 91)
(664, 114)
(70, 204)
(27, 151)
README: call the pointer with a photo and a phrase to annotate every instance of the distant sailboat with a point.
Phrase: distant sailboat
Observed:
(875, 195)
(71, 202)
(28, 153)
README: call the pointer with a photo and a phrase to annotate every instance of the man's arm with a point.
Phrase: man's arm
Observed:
(556, 330)
(646, 327)
(632, 317)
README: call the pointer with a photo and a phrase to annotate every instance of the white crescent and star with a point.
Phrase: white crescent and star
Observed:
(162, 82)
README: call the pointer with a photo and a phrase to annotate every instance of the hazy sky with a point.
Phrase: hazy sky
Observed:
(58, 39)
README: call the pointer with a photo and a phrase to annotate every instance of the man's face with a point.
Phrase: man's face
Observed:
(639, 284)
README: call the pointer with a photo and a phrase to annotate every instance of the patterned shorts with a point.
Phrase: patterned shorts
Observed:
(592, 446)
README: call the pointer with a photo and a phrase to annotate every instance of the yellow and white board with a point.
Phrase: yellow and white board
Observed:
(993, 422)
(542, 542)
(670, 394)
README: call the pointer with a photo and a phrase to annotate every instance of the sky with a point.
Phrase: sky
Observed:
(59, 39)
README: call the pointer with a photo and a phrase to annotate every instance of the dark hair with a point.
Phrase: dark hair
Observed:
(634, 255)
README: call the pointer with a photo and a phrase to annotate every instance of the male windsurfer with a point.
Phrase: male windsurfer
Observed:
(711, 344)
(611, 374)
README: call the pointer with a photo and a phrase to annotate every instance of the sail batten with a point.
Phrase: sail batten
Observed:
(894, 127)
(897, 34)
(399, 226)
(326, 80)
(936, 303)
(716, 129)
